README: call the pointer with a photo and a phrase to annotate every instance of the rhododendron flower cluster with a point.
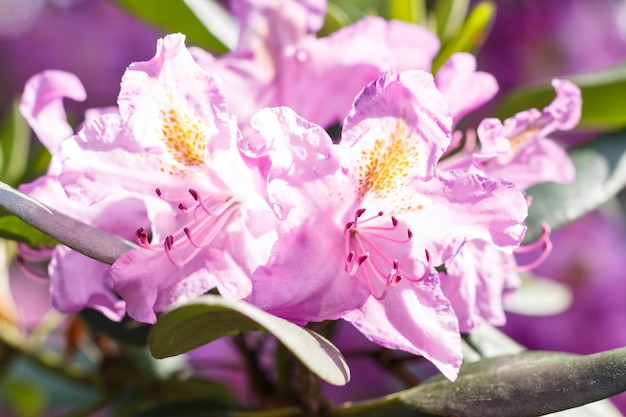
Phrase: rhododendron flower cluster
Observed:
(381, 228)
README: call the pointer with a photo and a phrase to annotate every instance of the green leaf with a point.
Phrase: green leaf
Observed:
(79, 236)
(211, 317)
(472, 34)
(358, 10)
(14, 228)
(450, 15)
(335, 19)
(523, 385)
(177, 16)
(603, 93)
(24, 398)
(600, 175)
(412, 11)
(14, 145)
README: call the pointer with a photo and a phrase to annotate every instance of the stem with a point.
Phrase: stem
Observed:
(345, 409)
(284, 382)
(355, 407)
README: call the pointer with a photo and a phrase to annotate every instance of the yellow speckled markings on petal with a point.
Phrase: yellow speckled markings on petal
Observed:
(184, 137)
(384, 169)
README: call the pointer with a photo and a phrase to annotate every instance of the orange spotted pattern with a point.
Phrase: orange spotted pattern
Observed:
(385, 168)
(184, 138)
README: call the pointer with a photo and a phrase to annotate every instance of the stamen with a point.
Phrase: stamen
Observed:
(209, 218)
(364, 254)
(546, 247)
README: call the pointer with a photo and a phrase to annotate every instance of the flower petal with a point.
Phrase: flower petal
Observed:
(399, 127)
(416, 318)
(42, 105)
(341, 64)
(464, 88)
(78, 282)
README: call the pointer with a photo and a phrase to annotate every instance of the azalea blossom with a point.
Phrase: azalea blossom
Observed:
(173, 146)
(373, 217)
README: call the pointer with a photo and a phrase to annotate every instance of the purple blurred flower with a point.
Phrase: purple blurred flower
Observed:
(93, 39)
(534, 40)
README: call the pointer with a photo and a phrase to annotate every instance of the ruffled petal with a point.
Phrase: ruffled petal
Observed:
(298, 163)
(78, 282)
(416, 318)
(464, 88)
(42, 105)
(304, 280)
(458, 207)
(341, 64)
(398, 129)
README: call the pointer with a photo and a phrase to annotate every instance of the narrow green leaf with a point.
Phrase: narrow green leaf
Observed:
(335, 19)
(14, 145)
(603, 93)
(412, 11)
(358, 10)
(14, 228)
(218, 21)
(175, 16)
(600, 175)
(450, 15)
(523, 385)
(79, 236)
(211, 317)
(471, 36)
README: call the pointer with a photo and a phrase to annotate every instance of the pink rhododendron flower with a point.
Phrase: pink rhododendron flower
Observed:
(278, 59)
(173, 135)
(480, 277)
(373, 216)
(519, 149)
(70, 291)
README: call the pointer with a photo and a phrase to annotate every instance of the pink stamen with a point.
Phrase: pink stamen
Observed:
(360, 243)
(546, 248)
(207, 221)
